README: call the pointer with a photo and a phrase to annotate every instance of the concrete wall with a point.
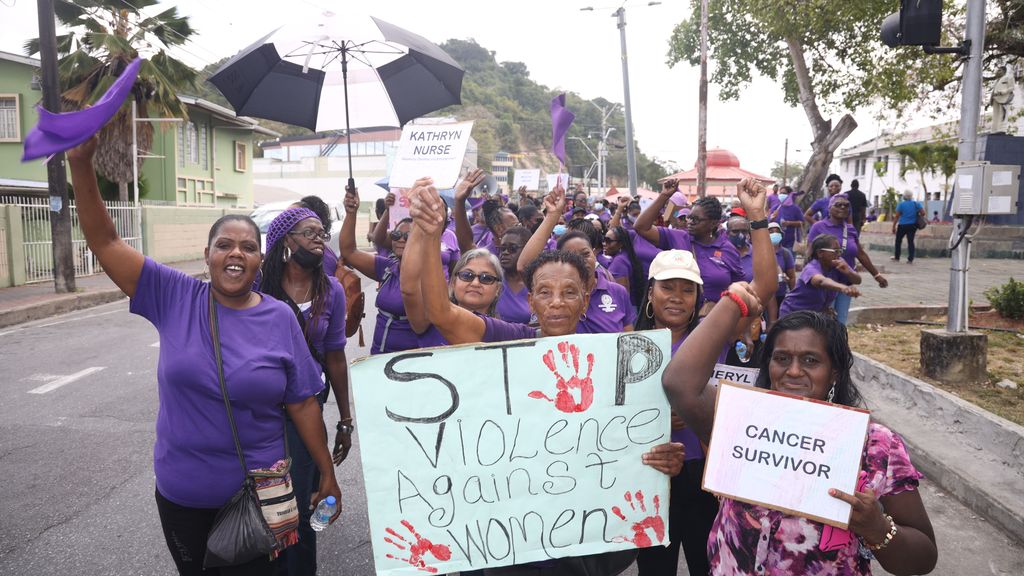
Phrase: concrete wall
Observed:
(172, 234)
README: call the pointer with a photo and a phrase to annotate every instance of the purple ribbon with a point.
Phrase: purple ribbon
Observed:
(561, 119)
(59, 132)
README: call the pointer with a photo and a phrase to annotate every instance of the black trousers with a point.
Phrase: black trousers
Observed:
(691, 514)
(908, 230)
(186, 529)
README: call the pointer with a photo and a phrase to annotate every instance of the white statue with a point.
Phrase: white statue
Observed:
(1002, 95)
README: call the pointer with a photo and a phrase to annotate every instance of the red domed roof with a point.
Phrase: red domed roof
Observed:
(722, 157)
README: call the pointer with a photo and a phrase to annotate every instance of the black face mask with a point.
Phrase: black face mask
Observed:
(306, 259)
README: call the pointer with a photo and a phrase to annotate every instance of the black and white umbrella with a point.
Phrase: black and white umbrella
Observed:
(331, 75)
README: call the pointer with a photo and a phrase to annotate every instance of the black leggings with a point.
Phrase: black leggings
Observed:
(186, 529)
(691, 514)
(908, 230)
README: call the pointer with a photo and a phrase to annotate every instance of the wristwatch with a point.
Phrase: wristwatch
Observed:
(346, 428)
(759, 224)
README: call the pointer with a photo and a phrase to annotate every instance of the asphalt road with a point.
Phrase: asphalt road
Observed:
(76, 436)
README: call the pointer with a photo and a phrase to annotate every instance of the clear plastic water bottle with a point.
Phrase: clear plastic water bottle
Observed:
(321, 517)
(742, 352)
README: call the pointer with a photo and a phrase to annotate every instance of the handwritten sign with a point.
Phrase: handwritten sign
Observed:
(434, 150)
(784, 452)
(500, 454)
(528, 178)
(553, 179)
(734, 374)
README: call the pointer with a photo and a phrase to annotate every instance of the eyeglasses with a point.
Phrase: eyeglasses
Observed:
(510, 248)
(468, 276)
(310, 234)
(396, 235)
(832, 250)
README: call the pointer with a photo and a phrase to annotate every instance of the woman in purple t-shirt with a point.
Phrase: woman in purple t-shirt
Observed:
(265, 359)
(512, 304)
(824, 275)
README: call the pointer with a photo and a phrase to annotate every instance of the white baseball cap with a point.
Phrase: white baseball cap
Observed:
(675, 264)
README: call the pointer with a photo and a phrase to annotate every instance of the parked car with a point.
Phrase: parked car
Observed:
(265, 214)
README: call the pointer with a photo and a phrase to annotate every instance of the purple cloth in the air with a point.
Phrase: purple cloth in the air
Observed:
(561, 119)
(719, 262)
(790, 213)
(393, 333)
(609, 311)
(56, 132)
(805, 296)
(330, 261)
(266, 363)
(848, 247)
(513, 306)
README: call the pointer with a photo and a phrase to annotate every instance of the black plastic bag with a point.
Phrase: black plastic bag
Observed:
(240, 533)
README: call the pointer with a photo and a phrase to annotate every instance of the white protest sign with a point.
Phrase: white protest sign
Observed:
(400, 209)
(553, 180)
(734, 375)
(785, 452)
(491, 455)
(528, 178)
(434, 150)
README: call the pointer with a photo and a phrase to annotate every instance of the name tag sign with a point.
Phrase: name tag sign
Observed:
(491, 455)
(784, 452)
(434, 150)
(734, 375)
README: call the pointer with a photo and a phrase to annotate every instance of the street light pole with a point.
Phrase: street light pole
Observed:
(630, 148)
(785, 164)
(702, 106)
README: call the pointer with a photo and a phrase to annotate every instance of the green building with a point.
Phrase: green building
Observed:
(19, 94)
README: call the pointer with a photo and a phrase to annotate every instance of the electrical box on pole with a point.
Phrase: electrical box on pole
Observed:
(983, 188)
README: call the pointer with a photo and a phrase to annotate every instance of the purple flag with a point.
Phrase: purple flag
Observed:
(59, 132)
(791, 199)
(561, 119)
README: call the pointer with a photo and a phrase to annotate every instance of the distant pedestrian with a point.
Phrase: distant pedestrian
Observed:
(935, 218)
(858, 205)
(905, 224)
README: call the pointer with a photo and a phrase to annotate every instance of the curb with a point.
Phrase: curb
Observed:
(890, 314)
(974, 455)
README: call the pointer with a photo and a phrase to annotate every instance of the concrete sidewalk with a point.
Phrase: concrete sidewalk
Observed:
(36, 301)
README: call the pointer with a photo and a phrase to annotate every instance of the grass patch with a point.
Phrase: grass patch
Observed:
(898, 345)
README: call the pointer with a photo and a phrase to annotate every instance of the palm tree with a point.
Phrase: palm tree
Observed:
(919, 158)
(103, 37)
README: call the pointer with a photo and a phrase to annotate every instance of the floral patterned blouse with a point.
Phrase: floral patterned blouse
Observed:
(749, 539)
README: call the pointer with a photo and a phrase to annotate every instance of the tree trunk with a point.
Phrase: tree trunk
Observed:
(826, 138)
(122, 191)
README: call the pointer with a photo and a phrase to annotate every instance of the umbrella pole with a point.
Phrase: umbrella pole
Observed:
(348, 132)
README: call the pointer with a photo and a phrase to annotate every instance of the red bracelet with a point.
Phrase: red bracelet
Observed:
(744, 311)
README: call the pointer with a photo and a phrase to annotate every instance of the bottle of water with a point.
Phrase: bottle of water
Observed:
(742, 352)
(321, 517)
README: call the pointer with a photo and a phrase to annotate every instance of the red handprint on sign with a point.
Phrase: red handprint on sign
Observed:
(654, 522)
(564, 399)
(418, 549)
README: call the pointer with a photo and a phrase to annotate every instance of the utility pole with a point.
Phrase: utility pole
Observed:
(630, 147)
(702, 106)
(785, 164)
(970, 109)
(56, 173)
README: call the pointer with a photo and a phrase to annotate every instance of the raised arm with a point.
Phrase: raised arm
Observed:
(686, 377)
(410, 278)
(620, 209)
(463, 227)
(380, 231)
(752, 195)
(121, 262)
(644, 224)
(353, 256)
(456, 324)
(554, 205)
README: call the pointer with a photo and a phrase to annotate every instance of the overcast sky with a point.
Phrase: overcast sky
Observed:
(562, 47)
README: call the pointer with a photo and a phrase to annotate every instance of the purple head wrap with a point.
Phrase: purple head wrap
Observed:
(836, 198)
(284, 222)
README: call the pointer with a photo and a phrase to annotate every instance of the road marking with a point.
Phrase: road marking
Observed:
(65, 380)
(65, 321)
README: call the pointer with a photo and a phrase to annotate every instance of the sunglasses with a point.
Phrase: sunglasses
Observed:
(610, 240)
(696, 219)
(310, 234)
(832, 250)
(509, 248)
(468, 276)
(396, 235)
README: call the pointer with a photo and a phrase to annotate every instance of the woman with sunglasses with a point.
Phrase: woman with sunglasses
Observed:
(392, 333)
(824, 275)
(625, 266)
(718, 260)
(838, 225)
(513, 305)
(609, 308)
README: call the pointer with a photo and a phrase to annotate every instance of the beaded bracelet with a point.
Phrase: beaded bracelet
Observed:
(744, 311)
(888, 537)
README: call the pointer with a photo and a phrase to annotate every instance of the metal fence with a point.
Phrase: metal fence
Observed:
(38, 242)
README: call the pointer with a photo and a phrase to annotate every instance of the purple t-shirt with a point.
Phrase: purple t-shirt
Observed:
(328, 333)
(805, 296)
(719, 262)
(848, 245)
(450, 252)
(819, 209)
(266, 363)
(790, 213)
(784, 258)
(513, 306)
(773, 202)
(609, 311)
(620, 266)
(496, 330)
(603, 260)
(645, 251)
(330, 261)
(747, 264)
(393, 333)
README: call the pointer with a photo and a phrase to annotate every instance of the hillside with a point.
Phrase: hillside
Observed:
(511, 113)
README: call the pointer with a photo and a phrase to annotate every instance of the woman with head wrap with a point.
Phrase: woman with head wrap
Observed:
(292, 272)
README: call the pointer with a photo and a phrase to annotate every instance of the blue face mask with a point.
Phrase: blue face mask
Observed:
(782, 197)
(776, 238)
(559, 229)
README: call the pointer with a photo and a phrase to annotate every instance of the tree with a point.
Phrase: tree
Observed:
(920, 158)
(788, 172)
(827, 56)
(103, 37)
(945, 156)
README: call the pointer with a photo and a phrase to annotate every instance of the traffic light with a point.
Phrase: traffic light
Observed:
(918, 23)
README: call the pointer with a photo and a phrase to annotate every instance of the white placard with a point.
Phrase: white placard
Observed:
(784, 452)
(1002, 178)
(734, 374)
(435, 150)
(999, 205)
(528, 178)
(553, 179)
